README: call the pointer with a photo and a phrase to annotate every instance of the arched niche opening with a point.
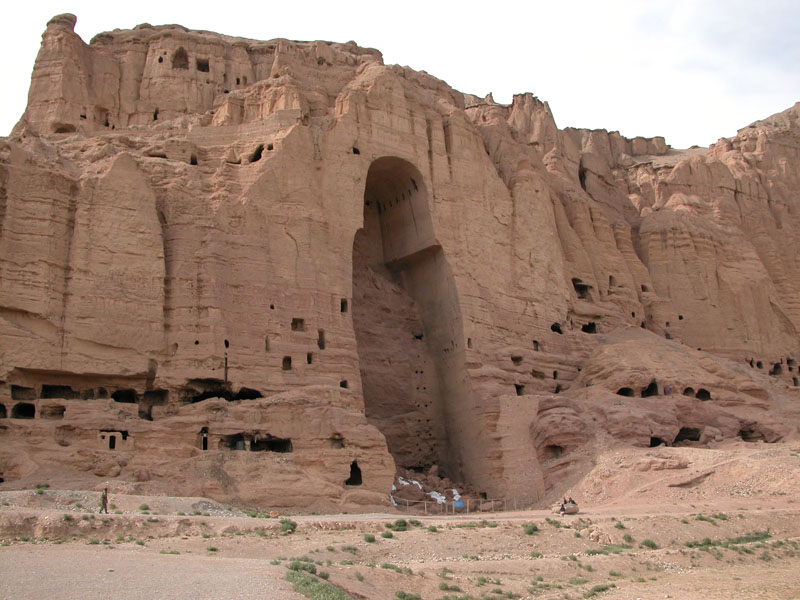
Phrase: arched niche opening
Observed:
(407, 322)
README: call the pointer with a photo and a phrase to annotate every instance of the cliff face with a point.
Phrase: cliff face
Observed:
(366, 268)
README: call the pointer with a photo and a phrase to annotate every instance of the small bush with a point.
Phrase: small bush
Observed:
(350, 549)
(448, 588)
(530, 528)
(323, 575)
(648, 543)
(387, 534)
(369, 538)
(67, 518)
(619, 525)
(94, 541)
(432, 528)
(287, 526)
(212, 548)
(401, 595)
(144, 507)
(398, 525)
(627, 537)
(359, 576)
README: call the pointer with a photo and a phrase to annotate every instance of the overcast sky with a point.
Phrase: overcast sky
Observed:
(691, 71)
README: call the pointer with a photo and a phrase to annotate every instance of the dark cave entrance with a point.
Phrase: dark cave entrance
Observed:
(407, 322)
(23, 410)
(355, 474)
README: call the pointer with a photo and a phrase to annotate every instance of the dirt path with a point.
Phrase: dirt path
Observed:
(81, 572)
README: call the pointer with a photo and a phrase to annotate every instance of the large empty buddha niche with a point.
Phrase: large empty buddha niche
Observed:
(405, 310)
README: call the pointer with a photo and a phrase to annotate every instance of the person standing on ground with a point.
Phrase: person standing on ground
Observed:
(104, 501)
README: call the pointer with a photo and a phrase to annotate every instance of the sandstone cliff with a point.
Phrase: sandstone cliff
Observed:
(336, 267)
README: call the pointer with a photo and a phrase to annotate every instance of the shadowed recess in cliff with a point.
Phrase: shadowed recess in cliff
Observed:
(407, 322)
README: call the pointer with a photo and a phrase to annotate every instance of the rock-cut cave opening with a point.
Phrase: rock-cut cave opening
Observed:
(407, 323)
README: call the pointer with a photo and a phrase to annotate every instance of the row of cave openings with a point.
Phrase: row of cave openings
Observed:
(252, 442)
(694, 434)
(652, 389)
(26, 408)
(584, 292)
(517, 360)
(180, 60)
(777, 368)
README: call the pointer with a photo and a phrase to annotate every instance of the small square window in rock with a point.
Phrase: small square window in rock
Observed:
(343, 305)
(286, 365)
(202, 65)
(298, 325)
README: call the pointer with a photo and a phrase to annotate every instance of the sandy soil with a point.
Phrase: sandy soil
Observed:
(55, 545)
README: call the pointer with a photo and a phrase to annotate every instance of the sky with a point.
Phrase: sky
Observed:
(691, 71)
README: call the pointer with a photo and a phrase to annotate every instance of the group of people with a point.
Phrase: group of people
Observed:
(564, 504)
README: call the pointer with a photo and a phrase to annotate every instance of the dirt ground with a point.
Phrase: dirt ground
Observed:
(678, 526)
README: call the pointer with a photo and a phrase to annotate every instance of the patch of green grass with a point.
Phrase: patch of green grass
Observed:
(415, 523)
(144, 507)
(615, 574)
(404, 570)
(94, 541)
(577, 580)
(359, 576)
(169, 552)
(311, 587)
(609, 549)
(627, 538)
(139, 543)
(557, 524)
(401, 595)
(619, 525)
(369, 538)
(212, 548)
(535, 554)
(350, 549)
(598, 589)
(720, 516)
(707, 520)
(433, 528)
(648, 543)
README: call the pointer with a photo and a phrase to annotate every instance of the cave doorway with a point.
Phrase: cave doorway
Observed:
(355, 474)
(407, 323)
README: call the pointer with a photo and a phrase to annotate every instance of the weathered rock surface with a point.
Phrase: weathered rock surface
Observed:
(209, 243)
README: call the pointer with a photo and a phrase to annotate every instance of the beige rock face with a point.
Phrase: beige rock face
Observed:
(273, 272)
